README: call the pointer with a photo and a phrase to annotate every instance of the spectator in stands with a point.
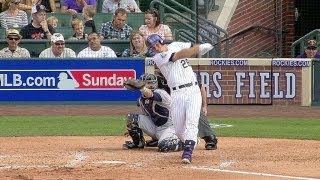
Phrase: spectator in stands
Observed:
(110, 6)
(95, 49)
(13, 17)
(38, 28)
(13, 50)
(88, 13)
(117, 28)
(138, 47)
(49, 4)
(53, 21)
(310, 50)
(78, 29)
(76, 6)
(25, 5)
(57, 49)
(153, 25)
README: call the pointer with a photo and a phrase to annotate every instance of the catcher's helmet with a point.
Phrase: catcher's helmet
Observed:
(151, 80)
(153, 39)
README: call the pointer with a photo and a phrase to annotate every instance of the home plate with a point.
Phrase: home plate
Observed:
(109, 162)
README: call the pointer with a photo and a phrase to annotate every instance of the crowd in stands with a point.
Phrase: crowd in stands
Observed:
(14, 16)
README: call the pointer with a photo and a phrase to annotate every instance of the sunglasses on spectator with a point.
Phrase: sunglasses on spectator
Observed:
(16, 3)
(59, 44)
(11, 38)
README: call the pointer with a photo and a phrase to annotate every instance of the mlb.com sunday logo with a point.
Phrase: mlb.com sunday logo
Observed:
(93, 79)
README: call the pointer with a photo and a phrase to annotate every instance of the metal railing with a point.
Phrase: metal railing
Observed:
(300, 43)
(197, 25)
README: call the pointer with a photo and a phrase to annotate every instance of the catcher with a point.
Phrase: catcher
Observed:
(155, 121)
(169, 142)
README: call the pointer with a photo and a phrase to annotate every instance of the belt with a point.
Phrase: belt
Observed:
(184, 85)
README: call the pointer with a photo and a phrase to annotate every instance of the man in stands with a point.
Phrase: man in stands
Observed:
(38, 28)
(117, 28)
(57, 49)
(311, 50)
(95, 49)
(13, 50)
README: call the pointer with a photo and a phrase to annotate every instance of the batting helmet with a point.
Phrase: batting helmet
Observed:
(151, 80)
(153, 39)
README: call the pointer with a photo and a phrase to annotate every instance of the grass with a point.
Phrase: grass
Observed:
(288, 128)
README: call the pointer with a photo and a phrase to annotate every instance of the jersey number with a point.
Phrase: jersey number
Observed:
(184, 63)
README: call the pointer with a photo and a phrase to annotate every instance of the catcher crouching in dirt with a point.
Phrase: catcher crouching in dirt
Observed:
(155, 121)
(157, 91)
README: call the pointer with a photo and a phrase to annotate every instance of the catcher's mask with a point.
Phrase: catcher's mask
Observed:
(151, 80)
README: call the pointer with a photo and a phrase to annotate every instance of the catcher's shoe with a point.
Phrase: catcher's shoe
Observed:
(211, 142)
(131, 145)
(152, 143)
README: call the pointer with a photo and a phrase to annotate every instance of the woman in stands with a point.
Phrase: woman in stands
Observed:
(153, 25)
(49, 4)
(138, 46)
(13, 17)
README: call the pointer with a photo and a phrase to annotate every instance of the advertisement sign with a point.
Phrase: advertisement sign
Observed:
(68, 80)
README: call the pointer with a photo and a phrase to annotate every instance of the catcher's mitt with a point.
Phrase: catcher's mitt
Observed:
(134, 84)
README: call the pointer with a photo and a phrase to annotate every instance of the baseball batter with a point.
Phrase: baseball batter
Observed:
(185, 92)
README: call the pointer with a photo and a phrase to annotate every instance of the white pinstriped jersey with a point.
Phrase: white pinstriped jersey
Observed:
(179, 72)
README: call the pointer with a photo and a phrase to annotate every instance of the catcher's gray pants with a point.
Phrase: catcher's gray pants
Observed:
(156, 132)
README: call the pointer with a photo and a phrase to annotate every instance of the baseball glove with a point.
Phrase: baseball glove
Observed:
(134, 84)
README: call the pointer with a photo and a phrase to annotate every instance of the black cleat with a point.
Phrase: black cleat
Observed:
(152, 143)
(211, 142)
(131, 145)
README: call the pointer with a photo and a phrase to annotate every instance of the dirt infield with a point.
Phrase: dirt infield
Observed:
(103, 158)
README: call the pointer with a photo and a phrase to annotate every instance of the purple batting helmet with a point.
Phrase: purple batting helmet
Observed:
(153, 39)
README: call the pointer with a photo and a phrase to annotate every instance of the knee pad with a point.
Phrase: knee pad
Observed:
(169, 144)
(132, 120)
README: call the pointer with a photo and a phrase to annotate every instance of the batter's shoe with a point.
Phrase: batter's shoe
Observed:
(187, 153)
(131, 145)
(211, 142)
(152, 143)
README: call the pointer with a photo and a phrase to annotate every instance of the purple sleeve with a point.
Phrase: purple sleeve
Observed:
(65, 3)
(301, 56)
(92, 2)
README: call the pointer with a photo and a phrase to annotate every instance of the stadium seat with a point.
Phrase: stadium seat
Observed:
(35, 47)
(135, 20)
(100, 18)
(67, 32)
(64, 19)
(76, 45)
(2, 33)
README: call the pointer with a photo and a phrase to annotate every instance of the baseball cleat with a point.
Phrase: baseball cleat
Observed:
(186, 161)
(211, 142)
(186, 157)
(131, 145)
(152, 143)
